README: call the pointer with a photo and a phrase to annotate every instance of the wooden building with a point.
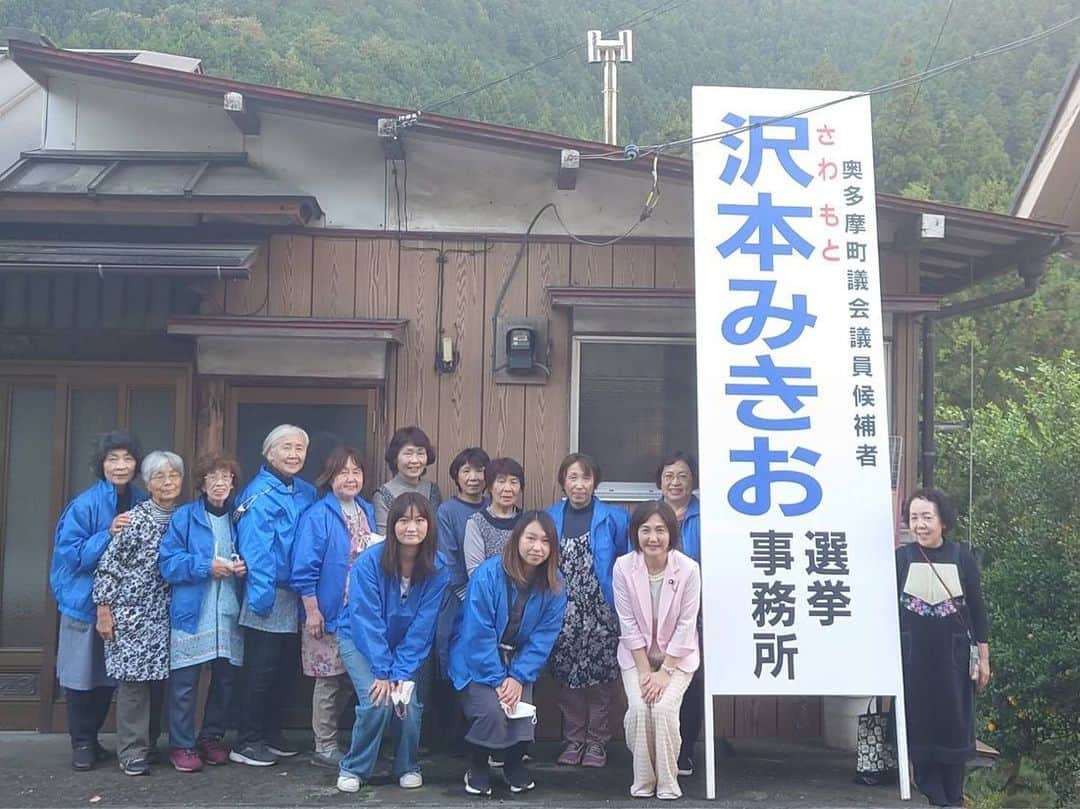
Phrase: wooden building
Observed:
(199, 259)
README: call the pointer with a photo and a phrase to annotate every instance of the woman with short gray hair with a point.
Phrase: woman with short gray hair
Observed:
(267, 512)
(133, 611)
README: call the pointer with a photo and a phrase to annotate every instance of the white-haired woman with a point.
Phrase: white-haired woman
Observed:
(267, 513)
(133, 611)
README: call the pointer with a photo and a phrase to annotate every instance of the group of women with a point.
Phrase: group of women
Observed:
(382, 600)
(386, 599)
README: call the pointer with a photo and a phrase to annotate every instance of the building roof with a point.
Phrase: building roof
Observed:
(130, 258)
(200, 180)
(976, 244)
(1050, 185)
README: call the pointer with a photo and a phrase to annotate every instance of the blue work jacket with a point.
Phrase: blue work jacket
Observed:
(607, 535)
(474, 653)
(321, 550)
(265, 530)
(691, 529)
(394, 634)
(82, 535)
(184, 558)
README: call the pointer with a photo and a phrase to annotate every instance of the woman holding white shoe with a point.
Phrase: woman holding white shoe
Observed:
(512, 614)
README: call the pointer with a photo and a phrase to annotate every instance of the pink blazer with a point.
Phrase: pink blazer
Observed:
(680, 600)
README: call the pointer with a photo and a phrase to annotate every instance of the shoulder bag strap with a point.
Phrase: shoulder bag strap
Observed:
(959, 612)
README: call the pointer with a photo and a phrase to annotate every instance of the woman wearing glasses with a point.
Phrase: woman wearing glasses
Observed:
(133, 612)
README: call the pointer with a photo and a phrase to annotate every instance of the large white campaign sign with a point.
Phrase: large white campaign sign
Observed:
(797, 535)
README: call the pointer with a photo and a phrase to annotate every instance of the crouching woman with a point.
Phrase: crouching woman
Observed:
(657, 597)
(513, 613)
(394, 594)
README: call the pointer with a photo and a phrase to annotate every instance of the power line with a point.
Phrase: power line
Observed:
(639, 19)
(929, 61)
(896, 84)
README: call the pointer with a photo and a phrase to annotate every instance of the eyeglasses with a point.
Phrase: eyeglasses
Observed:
(671, 477)
(166, 476)
(219, 477)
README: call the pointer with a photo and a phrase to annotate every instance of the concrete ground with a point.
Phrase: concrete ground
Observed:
(35, 772)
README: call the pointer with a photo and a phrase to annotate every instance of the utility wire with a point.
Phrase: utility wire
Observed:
(929, 62)
(896, 84)
(639, 19)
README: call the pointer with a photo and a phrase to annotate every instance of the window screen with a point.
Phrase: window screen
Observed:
(637, 401)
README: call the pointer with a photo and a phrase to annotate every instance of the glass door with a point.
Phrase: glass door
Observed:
(50, 416)
(333, 417)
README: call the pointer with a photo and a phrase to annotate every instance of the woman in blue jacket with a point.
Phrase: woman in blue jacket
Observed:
(198, 559)
(267, 513)
(512, 614)
(395, 591)
(83, 533)
(592, 535)
(329, 538)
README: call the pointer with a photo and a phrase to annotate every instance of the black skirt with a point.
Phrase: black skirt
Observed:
(488, 724)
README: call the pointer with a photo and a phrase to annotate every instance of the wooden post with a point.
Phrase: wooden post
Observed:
(209, 415)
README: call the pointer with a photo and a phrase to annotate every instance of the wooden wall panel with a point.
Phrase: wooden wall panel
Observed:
(417, 383)
(461, 392)
(333, 285)
(290, 276)
(38, 301)
(547, 431)
(213, 295)
(88, 297)
(798, 717)
(591, 266)
(112, 302)
(724, 718)
(635, 265)
(64, 306)
(674, 266)
(14, 303)
(755, 716)
(377, 278)
(503, 405)
(249, 297)
(160, 304)
(136, 302)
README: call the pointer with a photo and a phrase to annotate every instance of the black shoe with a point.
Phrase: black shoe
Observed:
(280, 747)
(101, 754)
(518, 779)
(136, 766)
(478, 783)
(254, 755)
(686, 764)
(83, 758)
(153, 756)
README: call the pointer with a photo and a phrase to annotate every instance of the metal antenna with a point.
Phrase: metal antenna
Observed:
(610, 52)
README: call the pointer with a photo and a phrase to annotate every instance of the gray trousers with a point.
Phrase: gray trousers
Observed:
(138, 718)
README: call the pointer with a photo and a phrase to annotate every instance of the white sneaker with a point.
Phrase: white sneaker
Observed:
(411, 780)
(347, 782)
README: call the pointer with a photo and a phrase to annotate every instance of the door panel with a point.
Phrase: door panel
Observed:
(50, 415)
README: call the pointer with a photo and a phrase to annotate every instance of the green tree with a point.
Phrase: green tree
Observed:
(1025, 525)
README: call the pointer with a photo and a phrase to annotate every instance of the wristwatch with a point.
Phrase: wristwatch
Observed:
(668, 670)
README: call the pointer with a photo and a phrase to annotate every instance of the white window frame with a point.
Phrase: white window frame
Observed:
(618, 490)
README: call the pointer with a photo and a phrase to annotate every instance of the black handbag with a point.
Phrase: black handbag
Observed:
(875, 746)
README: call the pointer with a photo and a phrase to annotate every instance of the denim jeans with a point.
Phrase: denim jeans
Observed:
(183, 693)
(373, 720)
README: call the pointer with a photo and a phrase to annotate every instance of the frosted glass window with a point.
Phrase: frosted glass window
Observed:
(27, 523)
(637, 401)
(93, 412)
(153, 418)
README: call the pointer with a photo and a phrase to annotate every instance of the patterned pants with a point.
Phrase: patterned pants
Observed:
(652, 734)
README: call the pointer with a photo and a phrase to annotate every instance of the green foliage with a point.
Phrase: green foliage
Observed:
(1025, 524)
(964, 129)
